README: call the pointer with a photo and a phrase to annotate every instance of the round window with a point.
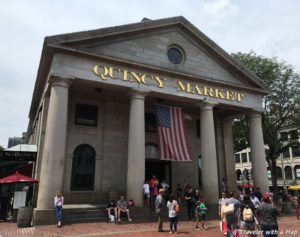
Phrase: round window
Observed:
(175, 55)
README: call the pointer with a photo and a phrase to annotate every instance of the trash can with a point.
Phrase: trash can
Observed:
(24, 216)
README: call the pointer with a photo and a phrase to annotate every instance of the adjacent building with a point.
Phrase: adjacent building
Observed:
(288, 163)
(92, 112)
(14, 141)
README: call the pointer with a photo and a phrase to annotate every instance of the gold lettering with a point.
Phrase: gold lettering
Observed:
(107, 72)
(197, 90)
(208, 91)
(159, 81)
(137, 77)
(219, 93)
(181, 86)
(229, 95)
(239, 96)
(95, 70)
(124, 74)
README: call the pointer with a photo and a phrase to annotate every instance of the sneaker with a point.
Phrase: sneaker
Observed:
(59, 224)
(119, 220)
(129, 219)
(197, 228)
(171, 232)
(205, 227)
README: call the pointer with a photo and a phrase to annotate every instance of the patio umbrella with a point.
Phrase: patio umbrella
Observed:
(294, 187)
(17, 178)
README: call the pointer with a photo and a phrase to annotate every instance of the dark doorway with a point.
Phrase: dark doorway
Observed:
(161, 169)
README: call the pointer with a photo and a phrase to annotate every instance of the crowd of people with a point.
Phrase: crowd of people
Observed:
(241, 213)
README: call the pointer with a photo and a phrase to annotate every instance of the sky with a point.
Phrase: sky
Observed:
(268, 27)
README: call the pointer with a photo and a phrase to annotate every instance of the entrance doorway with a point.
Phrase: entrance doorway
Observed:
(161, 169)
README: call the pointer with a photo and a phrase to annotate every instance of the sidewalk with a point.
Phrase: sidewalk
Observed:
(288, 226)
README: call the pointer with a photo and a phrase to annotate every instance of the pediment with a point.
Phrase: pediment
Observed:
(147, 44)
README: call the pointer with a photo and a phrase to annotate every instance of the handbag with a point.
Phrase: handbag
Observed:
(228, 209)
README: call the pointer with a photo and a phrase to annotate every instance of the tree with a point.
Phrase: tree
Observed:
(1, 148)
(280, 106)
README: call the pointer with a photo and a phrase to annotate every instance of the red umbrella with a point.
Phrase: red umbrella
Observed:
(17, 178)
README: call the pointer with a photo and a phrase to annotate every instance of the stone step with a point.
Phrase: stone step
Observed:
(97, 213)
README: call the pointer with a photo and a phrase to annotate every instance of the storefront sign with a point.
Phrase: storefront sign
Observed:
(17, 156)
(108, 73)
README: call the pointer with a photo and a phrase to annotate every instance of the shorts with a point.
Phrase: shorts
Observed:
(147, 195)
(248, 224)
(203, 217)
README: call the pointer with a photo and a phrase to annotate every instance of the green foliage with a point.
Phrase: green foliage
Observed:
(280, 105)
(1, 148)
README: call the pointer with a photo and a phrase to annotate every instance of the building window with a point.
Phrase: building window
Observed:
(151, 151)
(238, 174)
(296, 150)
(297, 171)
(286, 153)
(86, 115)
(269, 173)
(278, 172)
(83, 168)
(175, 55)
(150, 122)
(237, 158)
(294, 135)
(249, 154)
(284, 136)
(244, 157)
(288, 172)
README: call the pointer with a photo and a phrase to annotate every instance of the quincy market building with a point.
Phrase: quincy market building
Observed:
(92, 112)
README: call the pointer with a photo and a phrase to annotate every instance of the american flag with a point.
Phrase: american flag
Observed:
(173, 144)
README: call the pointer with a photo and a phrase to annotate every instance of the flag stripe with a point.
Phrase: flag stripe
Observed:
(173, 144)
(174, 141)
(177, 134)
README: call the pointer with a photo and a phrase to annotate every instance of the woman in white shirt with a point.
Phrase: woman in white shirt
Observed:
(173, 207)
(58, 202)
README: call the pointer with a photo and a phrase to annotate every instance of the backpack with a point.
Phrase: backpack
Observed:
(248, 214)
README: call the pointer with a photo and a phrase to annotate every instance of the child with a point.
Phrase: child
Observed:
(201, 214)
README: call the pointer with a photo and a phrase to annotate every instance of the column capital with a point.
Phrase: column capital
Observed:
(255, 114)
(60, 81)
(137, 93)
(205, 105)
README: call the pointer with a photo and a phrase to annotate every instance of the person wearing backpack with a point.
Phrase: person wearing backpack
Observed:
(247, 217)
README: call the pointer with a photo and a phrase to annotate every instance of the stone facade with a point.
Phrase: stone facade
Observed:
(123, 72)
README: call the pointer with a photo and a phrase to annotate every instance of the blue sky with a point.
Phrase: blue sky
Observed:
(268, 27)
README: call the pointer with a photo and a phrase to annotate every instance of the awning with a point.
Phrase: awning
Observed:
(17, 178)
(294, 187)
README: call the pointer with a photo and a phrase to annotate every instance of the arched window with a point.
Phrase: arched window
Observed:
(83, 168)
(151, 151)
(279, 172)
(297, 171)
(238, 174)
(288, 172)
(269, 173)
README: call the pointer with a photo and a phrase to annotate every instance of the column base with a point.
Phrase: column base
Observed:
(43, 217)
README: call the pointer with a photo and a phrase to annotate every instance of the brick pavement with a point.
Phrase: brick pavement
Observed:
(288, 226)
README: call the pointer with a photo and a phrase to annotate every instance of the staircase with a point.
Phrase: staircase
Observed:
(83, 213)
